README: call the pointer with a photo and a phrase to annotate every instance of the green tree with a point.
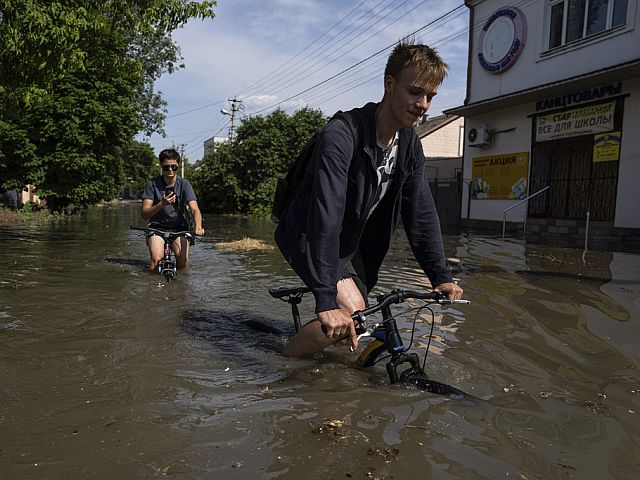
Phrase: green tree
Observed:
(241, 176)
(76, 85)
(140, 165)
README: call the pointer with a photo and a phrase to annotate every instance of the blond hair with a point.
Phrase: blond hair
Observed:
(424, 59)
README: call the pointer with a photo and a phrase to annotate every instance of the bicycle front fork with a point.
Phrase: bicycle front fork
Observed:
(396, 348)
(167, 266)
(399, 359)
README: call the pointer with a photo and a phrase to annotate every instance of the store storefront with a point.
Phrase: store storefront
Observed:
(551, 115)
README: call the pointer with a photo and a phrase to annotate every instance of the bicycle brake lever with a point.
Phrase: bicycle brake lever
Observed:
(361, 325)
(366, 333)
(447, 301)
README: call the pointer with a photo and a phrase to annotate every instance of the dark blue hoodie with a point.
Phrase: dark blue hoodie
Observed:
(327, 220)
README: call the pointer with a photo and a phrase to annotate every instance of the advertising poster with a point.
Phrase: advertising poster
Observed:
(500, 176)
(606, 147)
(580, 121)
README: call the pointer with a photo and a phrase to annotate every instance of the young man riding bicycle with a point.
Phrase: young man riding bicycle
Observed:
(165, 201)
(338, 225)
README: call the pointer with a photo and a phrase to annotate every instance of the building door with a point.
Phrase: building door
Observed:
(446, 194)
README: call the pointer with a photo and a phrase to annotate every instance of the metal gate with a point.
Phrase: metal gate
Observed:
(446, 194)
(577, 183)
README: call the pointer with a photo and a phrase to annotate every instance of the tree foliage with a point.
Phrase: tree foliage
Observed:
(76, 86)
(241, 176)
(140, 165)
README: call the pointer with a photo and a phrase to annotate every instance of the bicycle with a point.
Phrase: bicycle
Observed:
(386, 336)
(167, 266)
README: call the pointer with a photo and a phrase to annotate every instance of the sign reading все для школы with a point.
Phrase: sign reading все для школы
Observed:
(500, 176)
(571, 123)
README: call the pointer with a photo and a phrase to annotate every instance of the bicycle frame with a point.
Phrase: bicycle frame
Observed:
(386, 336)
(167, 265)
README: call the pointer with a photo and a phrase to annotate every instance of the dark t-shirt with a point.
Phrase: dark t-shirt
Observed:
(171, 216)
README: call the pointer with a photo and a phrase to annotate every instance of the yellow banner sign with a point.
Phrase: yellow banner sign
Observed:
(580, 121)
(606, 147)
(500, 176)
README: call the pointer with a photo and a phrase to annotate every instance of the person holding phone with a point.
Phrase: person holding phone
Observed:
(169, 203)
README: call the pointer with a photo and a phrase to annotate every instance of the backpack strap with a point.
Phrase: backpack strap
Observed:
(352, 120)
(287, 186)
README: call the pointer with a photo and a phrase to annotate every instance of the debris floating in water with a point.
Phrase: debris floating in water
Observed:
(246, 243)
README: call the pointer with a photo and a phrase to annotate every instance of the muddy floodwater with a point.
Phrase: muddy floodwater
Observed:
(107, 372)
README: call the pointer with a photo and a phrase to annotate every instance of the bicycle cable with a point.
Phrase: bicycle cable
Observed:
(433, 321)
(413, 328)
(426, 306)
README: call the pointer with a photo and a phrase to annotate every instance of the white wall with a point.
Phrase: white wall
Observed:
(627, 210)
(518, 140)
(444, 142)
(536, 66)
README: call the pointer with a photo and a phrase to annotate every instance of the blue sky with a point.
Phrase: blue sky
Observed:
(290, 53)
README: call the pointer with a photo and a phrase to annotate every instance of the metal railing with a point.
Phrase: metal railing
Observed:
(504, 213)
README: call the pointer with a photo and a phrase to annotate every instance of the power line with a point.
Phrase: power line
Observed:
(356, 75)
(196, 109)
(322, 35)
(456, 35)
(359, 81)
(358, 63)
(313, 62)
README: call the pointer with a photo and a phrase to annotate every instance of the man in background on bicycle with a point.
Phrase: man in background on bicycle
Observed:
(338, 225)
(165, 202)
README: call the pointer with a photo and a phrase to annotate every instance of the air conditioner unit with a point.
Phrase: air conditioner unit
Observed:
(479, 136)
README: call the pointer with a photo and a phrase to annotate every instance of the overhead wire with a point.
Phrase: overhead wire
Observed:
(254, 88)
(316, 64)
(322, 35)
(349, 86)
(329, 88)
(218, 102)
(374, 55)
(446, 40)
(353, 83)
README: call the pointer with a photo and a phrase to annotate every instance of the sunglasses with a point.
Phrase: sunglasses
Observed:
(166, 168)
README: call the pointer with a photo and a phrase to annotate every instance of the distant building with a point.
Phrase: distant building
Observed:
(553, 100)
(442, 138)
(211, 143)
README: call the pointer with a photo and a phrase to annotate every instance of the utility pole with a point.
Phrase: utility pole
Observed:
(182, 145)
(235, 106)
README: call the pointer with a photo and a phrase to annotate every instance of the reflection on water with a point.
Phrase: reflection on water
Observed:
(108, 372)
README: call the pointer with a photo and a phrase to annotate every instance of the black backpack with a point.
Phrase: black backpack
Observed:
(288, 185)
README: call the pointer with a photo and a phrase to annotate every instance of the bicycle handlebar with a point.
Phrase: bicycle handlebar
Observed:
(162, 233)
(399, 296)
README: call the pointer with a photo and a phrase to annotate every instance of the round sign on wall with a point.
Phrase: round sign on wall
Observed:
(502, 39)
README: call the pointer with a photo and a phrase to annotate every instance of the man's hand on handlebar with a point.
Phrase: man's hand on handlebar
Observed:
(338, 324)
(451, 290)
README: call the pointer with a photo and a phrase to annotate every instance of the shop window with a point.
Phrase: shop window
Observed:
(572, 20)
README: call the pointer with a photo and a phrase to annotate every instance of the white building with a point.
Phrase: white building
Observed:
(211, 143)
(442, 139)
(553, 100)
